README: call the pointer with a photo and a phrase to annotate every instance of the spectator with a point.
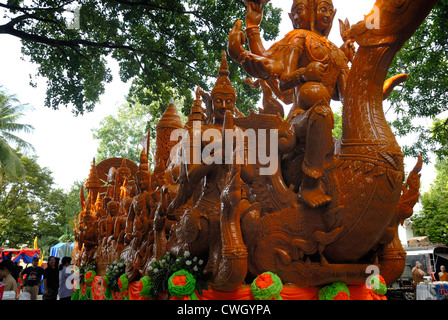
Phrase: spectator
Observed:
(65, 285)
(33, 278)
(418, 274)
(16, 271)
(51, 280)
(443, 275)
(16, 275)
(6, 269)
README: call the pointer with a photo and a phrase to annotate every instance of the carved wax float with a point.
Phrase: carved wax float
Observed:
(326, 213)
(109, 187)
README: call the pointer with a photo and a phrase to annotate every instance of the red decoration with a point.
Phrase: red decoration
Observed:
(264, 280)
(179, 280)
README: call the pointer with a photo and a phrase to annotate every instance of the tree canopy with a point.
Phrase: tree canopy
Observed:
(425, 94)
(159, 44)
(123, 135)
(433, 220)
(31, 206)
(10, 113)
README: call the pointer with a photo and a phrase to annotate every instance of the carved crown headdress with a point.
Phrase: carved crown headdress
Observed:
(223, 85)
(143, 168)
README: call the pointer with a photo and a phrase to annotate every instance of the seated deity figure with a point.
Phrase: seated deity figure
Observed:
(140, 210)
(112, 209)
(198, 228)
(110, 184)
(139, 220)
(88, 234)
(120, 227)
(123, 187)
(76, 254)
(101, 253)
(98, 207)
(303, 55)
(102, 228)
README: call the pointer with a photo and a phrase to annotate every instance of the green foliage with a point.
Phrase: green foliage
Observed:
(433, 221)
(424, 95)
(337, 130)
(20, 201)
(71, 207)
(84, 268)
(122, 135)
(440, 134)
(30, 206)
(158, 44)
(162, 269)
(10, 113)
(113, 272)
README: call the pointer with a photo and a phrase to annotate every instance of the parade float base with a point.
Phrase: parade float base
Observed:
(289, 292)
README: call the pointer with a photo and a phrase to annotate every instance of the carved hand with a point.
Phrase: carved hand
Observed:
(254, 14)
(314, 72)
(236, 41)
(258, 67)
(349, 49)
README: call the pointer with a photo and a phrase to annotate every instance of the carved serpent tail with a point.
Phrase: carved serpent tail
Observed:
(233, 264)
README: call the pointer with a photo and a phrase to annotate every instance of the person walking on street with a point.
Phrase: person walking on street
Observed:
(33, 278)
(51, 280)
(65, 286)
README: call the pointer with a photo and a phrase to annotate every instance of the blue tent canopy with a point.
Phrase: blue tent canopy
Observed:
(15, 255)
(62, 249)
(26, 258)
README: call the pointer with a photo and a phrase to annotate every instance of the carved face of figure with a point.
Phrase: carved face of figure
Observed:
(221, 103)
(112, 208)
(142, 181)
(300, 15)
(324, 15)
(122, 174)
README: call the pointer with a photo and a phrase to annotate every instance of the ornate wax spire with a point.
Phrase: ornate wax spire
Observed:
(197, 112)
(123, 163)
(170, 118)
(223, 85)
(93, 181)
(143, 166)
(169, 122)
